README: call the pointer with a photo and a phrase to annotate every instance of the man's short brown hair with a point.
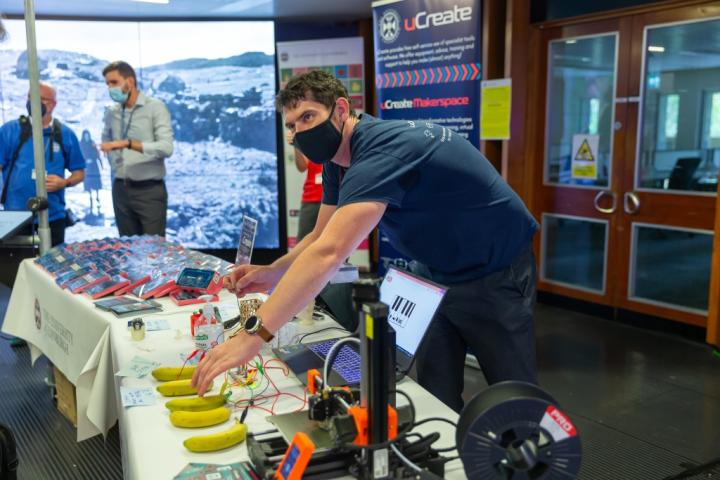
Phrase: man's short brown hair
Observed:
(123, 68)
(315, 85)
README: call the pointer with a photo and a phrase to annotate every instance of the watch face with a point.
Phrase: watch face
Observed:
(251, 323)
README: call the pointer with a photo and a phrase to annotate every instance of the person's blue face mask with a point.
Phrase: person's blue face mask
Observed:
(118, 95)
(43, 109)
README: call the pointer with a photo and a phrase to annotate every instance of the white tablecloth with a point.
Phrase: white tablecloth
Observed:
(74, 335)
(152, 447)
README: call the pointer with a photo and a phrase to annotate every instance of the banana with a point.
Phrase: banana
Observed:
(177, 388)
(200, 419)
(165, 374)
(196, 404)
(217, 441)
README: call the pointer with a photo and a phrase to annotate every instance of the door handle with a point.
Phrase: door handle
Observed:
(631, 203)
(599, 197)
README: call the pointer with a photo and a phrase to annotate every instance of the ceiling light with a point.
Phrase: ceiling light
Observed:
(656, 49)
(160, 2)
(570, 42)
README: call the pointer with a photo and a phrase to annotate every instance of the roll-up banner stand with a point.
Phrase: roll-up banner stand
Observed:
(427, 64)
(342, 57)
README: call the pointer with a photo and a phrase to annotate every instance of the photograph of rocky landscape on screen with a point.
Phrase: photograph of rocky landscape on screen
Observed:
(224, 163)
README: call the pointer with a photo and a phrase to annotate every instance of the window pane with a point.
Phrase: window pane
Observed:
(672, 266)
(574, 252)
(681, 108)
(581, 92)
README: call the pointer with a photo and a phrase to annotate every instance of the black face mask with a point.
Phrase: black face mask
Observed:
(43, 109)
(320, 143)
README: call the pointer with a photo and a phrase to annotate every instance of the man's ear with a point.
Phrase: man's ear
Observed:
(342, 106)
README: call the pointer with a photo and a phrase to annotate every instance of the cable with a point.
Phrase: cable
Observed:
(436, 419)
(302, 337)
(404, 459)
(330, 359)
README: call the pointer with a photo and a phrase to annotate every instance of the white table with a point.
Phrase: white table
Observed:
(11, 221)
(75, 336)
(152, 447)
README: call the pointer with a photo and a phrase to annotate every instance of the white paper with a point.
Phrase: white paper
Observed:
(156, 325)
(137, 368)
(137, 397)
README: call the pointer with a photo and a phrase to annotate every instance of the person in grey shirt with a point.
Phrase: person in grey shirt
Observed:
(138, 137)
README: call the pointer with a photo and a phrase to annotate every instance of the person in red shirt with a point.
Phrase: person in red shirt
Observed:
(311, 194)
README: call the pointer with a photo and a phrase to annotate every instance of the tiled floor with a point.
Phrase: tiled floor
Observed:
(646, 405)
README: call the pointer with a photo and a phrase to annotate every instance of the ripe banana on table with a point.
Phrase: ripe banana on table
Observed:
(217, 441)
(196, 404)
(177, 388)
(165, 374)
(200, 419)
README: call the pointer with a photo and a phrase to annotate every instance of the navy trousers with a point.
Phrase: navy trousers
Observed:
(492, 318)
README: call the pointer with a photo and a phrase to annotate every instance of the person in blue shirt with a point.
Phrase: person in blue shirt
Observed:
(19, 179)
(440, 202)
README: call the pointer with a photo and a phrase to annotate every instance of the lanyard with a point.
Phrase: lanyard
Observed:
(122, 121)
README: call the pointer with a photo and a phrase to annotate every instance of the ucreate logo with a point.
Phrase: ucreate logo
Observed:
(389, 25)
(390, 21)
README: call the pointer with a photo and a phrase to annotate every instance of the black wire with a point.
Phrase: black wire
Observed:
(319, 331)
(448, 449)
(448, 459)
(436, 419)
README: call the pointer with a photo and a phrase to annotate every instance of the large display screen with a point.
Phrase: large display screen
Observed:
(218, 82)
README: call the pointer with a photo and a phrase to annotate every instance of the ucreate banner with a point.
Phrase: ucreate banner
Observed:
(427, 59)
(427, 64)
(342, 57)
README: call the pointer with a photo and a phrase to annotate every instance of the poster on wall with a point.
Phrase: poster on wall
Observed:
(427, 64)
(495, 109)
(342, 57)
(219, 87)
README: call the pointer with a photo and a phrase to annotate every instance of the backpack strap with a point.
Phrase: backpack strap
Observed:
(25, 134)
(57, 136)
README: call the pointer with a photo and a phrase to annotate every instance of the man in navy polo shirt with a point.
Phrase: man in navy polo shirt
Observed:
(440, 202)
(19, 179)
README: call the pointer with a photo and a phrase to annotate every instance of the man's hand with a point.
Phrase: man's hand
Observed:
(53, 183)
(233, 353)
(110, 146)
(252, 279)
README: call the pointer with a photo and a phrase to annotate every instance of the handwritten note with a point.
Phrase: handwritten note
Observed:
(137, 397)
(156, 325)
(137, 368)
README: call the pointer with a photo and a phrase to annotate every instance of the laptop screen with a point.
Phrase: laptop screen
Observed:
(413, 302)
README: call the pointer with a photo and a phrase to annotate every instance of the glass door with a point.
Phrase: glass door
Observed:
(671, 175)
(631, 154)
(578, 200)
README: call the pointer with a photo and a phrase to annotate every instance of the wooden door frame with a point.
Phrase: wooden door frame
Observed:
(565, 198)
(523, 49)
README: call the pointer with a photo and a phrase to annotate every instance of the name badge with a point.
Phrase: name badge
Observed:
(318, 179)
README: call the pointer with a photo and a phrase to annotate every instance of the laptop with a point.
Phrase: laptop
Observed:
(412, 303)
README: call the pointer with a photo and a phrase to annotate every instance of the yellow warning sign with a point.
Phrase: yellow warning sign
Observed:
(584, 153)
(584, 164)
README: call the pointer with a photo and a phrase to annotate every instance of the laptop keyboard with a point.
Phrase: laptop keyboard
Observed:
(347, 362)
